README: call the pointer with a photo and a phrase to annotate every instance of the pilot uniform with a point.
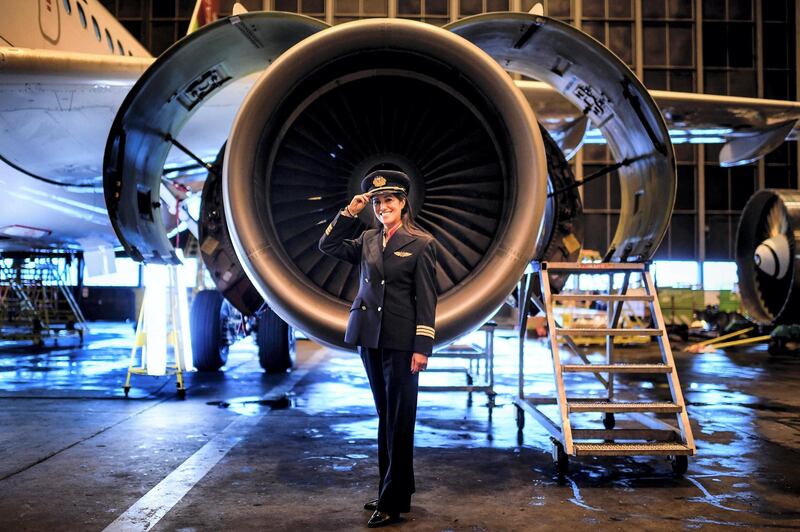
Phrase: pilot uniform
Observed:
(391, 317)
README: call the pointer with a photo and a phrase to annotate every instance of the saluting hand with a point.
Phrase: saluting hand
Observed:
(419, 362)
(358, 203)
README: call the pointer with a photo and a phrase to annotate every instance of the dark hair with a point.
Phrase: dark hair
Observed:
(407, 217)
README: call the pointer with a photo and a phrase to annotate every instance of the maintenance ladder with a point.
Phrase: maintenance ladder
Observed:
(653, 436)
(35, 302)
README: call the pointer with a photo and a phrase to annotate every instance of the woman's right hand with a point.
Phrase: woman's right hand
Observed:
(358, 203)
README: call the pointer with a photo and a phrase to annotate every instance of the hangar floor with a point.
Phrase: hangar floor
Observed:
(76, 455)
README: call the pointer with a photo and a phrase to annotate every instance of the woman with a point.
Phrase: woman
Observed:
(392, 323)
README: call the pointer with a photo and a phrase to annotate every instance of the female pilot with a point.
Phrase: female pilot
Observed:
(392, 323)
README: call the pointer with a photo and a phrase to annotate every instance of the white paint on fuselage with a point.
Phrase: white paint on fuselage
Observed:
(49, 25)
(69, 215)
(72, 216)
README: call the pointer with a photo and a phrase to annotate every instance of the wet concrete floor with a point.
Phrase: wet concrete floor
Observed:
(76, 455)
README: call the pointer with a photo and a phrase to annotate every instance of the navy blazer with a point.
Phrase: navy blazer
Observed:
(395, 307)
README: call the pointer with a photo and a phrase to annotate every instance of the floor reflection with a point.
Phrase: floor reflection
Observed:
(744, 407)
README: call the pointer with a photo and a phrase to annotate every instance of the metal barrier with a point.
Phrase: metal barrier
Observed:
(476, 356)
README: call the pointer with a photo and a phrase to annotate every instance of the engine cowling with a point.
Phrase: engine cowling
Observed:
(384, 91)
(217, 250)
(335, 101)
(769, 272)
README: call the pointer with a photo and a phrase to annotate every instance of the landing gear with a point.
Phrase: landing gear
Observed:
(209, 321)
(680, 464)
(276, 342)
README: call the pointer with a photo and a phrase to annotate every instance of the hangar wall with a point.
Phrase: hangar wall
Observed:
(733, 47)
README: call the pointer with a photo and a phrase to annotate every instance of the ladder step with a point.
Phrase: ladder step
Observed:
(594, 268)
(631, 449)
(616, 368)
(644, 434)
(601, 297)
(605, 406)
(608, 332)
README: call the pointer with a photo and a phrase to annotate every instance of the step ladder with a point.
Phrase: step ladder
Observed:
(170, 351)
(36, 303)
(653, 436)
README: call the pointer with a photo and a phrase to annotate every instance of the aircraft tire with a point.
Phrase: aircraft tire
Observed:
(276, 344)
(207, 318)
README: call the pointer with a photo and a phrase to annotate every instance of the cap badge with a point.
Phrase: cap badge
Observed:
(379, 181)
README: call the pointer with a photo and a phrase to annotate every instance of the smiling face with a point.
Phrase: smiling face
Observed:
(388, 209)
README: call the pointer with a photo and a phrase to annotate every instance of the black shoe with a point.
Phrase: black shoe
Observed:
(382, 519)
(371, 505)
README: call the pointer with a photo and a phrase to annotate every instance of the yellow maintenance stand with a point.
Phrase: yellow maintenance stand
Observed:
(154, 351)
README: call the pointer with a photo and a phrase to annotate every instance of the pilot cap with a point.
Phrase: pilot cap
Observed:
(386, 181)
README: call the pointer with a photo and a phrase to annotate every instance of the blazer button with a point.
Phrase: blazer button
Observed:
(366, 280)
(379, 309)
(383, 281)
(363, 307)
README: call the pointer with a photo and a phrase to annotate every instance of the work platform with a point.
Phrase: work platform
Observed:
(647, 433)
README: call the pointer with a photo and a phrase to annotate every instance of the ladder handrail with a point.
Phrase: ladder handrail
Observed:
(80, 319)
(561, 394)
(614, 314)
(22, 296)
(73, 305)
(666, 354)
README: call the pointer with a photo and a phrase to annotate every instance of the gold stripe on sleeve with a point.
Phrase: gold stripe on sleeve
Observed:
(424, 330)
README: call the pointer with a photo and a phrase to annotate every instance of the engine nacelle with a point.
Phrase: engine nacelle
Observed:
(437, 103)
(768, 269)
(217, 249)
(376, 92)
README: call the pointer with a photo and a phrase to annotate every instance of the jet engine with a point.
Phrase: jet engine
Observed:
(384, 92)
(765, 257)
(333, 103)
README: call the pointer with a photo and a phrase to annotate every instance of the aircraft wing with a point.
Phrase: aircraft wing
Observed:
(56, 109)
(749, 127)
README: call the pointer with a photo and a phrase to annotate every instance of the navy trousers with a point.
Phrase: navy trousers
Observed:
(394, 389)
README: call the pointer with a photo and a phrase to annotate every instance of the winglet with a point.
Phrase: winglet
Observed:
(205, 12)
(747, 149)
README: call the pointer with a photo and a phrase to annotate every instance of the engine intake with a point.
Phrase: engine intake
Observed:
(384, 91)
